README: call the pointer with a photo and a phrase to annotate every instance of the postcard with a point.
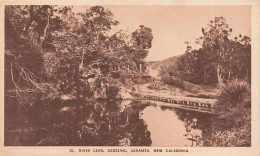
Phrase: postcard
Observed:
(129, 77)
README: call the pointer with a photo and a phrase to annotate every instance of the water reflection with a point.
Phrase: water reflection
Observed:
(174, 127)
(118, 123)
(109, 124)
(129, 123)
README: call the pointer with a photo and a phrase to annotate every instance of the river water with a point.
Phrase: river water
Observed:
(142, 123)
(112, 123)
(173, 126)
(169, 126)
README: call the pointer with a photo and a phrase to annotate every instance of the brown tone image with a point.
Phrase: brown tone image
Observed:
(162, 76)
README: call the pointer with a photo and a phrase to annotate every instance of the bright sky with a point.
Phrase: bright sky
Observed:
(173, 25)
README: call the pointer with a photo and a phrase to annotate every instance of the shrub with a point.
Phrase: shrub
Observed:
(232, 127)
(235, 93)
(233, 105)
(174, 82)
(141, 79)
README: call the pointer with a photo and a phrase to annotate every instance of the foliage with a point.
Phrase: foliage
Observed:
(234, 99)
(142, 41)
(53, 55)
(230, 138)
(219, 59)
(227, 63)
(232, 127)
(57, 62)
(61, 51)
(174, 82)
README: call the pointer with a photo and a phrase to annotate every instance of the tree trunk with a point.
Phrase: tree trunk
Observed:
(30, 20)
(77, 81)
(82, 59)
(219, 76)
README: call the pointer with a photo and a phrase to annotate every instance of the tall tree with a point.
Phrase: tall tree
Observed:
(142, 41)
(215, 38)
(219, 59)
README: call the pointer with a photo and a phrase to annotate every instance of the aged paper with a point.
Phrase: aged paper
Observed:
(130, 77)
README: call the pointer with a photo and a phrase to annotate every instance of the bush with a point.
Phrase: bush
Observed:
(174, 82)
(141, 79)
(232, 127)
(234, 103)
(235, 93)
(128, 80)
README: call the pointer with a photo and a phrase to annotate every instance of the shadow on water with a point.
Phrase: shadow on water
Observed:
(109, 123)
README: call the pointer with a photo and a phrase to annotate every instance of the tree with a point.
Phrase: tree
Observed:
(27, 30)
(142, 41)
(55, 58)
(215, 38)
(220, 59)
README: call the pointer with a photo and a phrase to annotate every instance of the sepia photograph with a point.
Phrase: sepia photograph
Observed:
(128, 75)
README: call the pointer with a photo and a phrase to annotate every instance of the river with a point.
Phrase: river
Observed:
(112, 123)
(173, 126)
(144, 123)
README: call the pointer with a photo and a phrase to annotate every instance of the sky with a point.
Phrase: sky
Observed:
(173, 25)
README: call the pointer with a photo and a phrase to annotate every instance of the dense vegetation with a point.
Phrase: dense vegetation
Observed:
(54, 51)
(225, 63)
(53, 55)
(219, 59)
(232, 127)
(58, 64)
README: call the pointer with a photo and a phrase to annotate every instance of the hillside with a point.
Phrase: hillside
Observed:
(154, 66)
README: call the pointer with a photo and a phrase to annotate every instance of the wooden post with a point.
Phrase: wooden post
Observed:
(140, 68)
